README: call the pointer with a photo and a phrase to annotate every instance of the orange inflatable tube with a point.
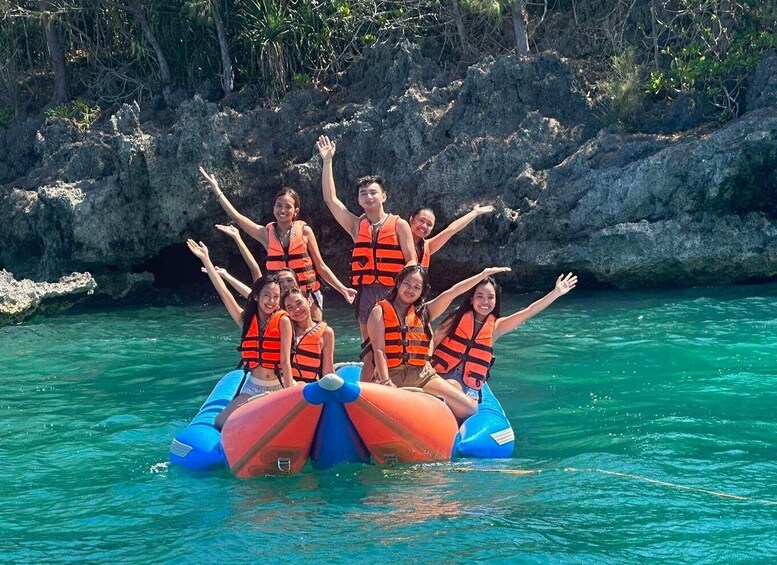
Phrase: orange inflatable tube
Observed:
(270, 434)
(402, 426)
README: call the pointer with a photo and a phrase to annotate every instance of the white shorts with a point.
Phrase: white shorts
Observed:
(254, 386)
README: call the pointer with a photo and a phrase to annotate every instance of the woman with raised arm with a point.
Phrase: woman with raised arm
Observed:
(422, 224)
(242, 289)
(383, 243)
(401, 335)
(289, 242)
(463, 344)
(266, 334)
(245, 253)
(312, 352)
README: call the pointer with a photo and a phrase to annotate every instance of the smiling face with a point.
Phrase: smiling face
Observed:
(371, 197)
(297, 306)
(422, 223)
(269, 298)
(285, 209)
(484, 299)
(287, 279)
(411, 288)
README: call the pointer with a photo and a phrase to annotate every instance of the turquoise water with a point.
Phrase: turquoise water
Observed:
(634, 413)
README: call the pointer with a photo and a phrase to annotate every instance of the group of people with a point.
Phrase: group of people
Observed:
(284, 338)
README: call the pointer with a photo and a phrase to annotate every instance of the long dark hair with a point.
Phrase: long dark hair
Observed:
(420, 303)
(466, 305)
(252, 307)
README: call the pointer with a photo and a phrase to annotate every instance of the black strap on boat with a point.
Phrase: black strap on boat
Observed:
(246, 372)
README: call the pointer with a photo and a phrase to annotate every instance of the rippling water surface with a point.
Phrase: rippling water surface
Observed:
(646, 429)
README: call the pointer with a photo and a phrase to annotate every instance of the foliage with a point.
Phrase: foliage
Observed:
(622, 99)
(79, 112)
(6, 116)
(712, 47)
(633, 47)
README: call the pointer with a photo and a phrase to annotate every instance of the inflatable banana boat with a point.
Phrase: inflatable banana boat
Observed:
(336, 420)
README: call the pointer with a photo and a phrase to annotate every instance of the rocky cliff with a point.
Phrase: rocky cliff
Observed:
(621, 210)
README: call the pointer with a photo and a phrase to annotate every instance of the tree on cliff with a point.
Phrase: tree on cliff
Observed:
(210, 10)
(138, 11)
(520, 25)
(56, 52)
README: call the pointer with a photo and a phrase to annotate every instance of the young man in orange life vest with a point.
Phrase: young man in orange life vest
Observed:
(383, 243)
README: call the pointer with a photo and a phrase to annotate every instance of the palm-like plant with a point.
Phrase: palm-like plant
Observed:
(274, 31)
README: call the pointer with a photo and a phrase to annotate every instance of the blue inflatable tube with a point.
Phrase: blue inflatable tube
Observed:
(486, 434)
(197, 447)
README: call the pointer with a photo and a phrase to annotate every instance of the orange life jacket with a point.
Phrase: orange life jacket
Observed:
(407, 342)
(294, 257)
(306, 357)
(470, 346)
(262, 346)
(423, 253)
(379, 258)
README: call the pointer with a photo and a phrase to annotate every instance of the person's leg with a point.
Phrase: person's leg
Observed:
(238, 401)
(316, 313)
(368, 367)
(316, 306)
(461, 405)
(455, 384)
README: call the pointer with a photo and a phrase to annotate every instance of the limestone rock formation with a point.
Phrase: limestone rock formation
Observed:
(622, 210)
(22, 299)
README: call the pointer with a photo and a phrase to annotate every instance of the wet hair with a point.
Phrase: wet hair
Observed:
(286, 270)
(420, 303)
(422, 209)
(253, 307)
(465, 305)
(364, 182)
(291, 193)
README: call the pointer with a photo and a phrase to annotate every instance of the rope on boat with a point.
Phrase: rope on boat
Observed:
(624, 476)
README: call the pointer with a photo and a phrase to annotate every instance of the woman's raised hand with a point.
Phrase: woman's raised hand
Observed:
(231, 231)
(495, 271)
(198, 249)
(565, 283)
(326, 148)
(480, 210)
(221, 271)
(211, 180)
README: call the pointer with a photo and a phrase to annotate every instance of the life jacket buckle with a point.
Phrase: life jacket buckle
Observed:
(391, 459)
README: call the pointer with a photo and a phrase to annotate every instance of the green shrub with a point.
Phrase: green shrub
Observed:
(79, 112)
(6, 116)
(622, 95)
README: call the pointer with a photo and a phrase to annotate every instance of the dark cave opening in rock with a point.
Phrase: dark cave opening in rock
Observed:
(173, 267)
